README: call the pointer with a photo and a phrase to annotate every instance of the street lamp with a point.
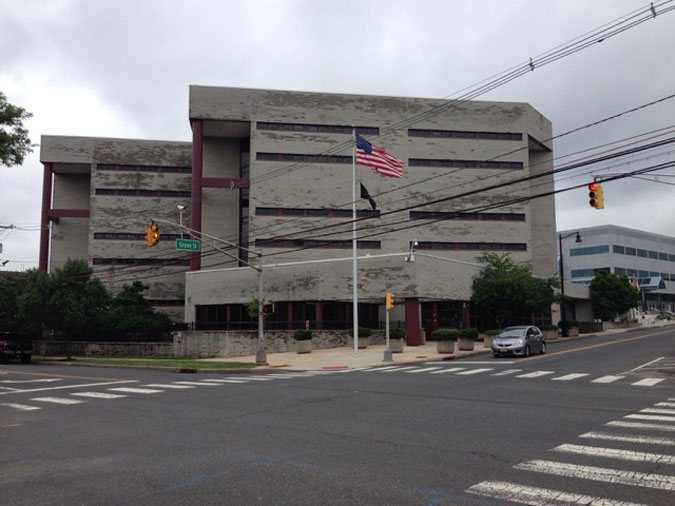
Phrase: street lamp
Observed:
(565, 332)
(180, 219)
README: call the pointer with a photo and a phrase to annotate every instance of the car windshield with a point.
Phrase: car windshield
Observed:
(516, 332)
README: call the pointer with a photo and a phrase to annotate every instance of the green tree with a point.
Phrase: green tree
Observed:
(507, 293)
(130, 315)
(14, 141)
(32, 302)
(612, 295)
(10, 288)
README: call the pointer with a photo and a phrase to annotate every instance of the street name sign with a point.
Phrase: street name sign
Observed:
(187, 244)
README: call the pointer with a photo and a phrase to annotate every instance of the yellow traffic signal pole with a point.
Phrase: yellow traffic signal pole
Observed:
(389, 302)
(260, 355)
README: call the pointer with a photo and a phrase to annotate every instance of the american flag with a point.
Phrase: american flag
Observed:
(371, 156)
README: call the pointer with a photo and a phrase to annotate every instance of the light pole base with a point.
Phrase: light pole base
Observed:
(388, 357)
(260, 357)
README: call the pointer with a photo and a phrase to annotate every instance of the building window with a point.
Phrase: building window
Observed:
(463, 134)
(143, 168)
(663, 256)
(653, 255)
(315, 128)
(315, 243)
(127, 236)
(642, 253)
(588, 273)
(141, 261)
(319, 213)
(619, 249)
(463, 164)
(472, 246)
(440, 215)
(291, 157)
(123, 192)
(619, 270)
(631, 251)
(589, 250)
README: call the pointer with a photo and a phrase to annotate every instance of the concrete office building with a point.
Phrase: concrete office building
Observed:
(273, 169)
(649, 257)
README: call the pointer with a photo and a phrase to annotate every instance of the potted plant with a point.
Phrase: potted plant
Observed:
(466, 339)
(489, 336)
(396, 339)
(569, 328)
(303, 340)
(364, 334)
(445, 339)
(549, 331)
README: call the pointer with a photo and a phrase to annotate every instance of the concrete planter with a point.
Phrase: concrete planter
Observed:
(396, 345)
(465, 344)
(363, 342)
(445, 346)
(487, 341)
(304, 346)
(550, 334)
(573, 331)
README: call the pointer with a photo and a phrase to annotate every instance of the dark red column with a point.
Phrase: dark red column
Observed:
(412, 322)
(196, 197)
(43, 263)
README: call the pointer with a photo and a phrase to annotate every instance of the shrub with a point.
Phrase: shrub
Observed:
(397, 333)
(302, 335)
(492, 332)
(363, 332)
(470, 333)
(568, 324)
(445, 334)
(549, 327)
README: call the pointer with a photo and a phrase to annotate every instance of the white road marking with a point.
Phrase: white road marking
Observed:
(162, 385)
(98, 395)
(507, 372)
(655, 418)
(648, 363)
(641, 426)
(250, 378)
(612, 453)
(450, 369)
(633, 478)
(491, 362)
(425, 369)
(220, 382)
(570, 377)
(65, 387)
(535, 374)
(57, 400)
(194, 383)
(383, 368)
(607, 379)
(22, 407)
(476, 371)
(659, 411)
(606, 436)
(130, 390)
(43, 380)
(396, 369)
(666, 404)
(536, 496)
(647, 382)
(11, 389)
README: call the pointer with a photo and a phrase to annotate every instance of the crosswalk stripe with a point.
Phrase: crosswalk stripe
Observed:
(507, 372)
(98, 395)
(659, 411)
(647, 382)
(655, 418)
(570, 377)
(396, 369)
(666, 404)
(22, 407)
(625, 438)
(259, 378)
(535, 374)
(633, 478)
(536, 496)
(161, 385)
(57, 400)
(383, 368)
(225, 381)
(613, 453)
(476, 371)
(228, 380)
(450, 369)
(131, 390)
(425, 369)
(642, 426)
(607, 379)
(194, 383)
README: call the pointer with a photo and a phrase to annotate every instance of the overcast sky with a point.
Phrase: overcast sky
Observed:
(119, 68)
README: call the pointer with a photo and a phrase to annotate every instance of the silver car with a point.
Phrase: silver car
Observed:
(522, 340)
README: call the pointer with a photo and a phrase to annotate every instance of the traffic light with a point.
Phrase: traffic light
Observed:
(268, 308)
(152, 235)
(595, 196)
(389, 300)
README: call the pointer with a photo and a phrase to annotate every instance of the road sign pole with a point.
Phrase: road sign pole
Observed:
(388, 357)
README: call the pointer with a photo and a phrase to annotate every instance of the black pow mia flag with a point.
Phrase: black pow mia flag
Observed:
(366, 195)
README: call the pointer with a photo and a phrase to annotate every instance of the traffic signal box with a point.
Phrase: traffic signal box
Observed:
(389, 300)
(152, 235)
(595, 196)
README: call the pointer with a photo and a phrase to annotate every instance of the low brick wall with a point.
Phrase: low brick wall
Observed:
(104, 349)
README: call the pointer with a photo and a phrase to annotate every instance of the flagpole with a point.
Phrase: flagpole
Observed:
(354, 276)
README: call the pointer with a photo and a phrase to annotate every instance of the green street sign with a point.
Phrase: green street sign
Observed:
(187, 244)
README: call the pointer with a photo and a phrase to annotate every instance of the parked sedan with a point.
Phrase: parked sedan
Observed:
(522, 340)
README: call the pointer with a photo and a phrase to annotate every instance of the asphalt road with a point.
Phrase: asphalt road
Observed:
(592, 419)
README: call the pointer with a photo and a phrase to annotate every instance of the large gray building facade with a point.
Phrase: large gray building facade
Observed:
(273, 170)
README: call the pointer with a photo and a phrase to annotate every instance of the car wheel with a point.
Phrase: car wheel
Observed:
(543, 348)
(526, 353)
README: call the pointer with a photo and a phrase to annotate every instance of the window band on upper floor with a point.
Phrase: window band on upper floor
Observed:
(326, 213)
(472, 246)
(465, 134)
(314, 243)
(143, 168)
(119, 192)
(127, 236)
(315, 128)
(654, 255)
(141, 261)
(441, 215)
(297, 157)
(463, 164)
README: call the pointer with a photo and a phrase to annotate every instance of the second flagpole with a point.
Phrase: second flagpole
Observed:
(355, 275)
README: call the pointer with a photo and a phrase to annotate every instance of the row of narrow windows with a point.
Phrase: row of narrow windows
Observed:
(118, 192)
(472, 246)
(167, 302)
(313, 128)
(422, 245)
(144, 168)
(623, 250)
(362, 213)
(126, 236)
(141, 261)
